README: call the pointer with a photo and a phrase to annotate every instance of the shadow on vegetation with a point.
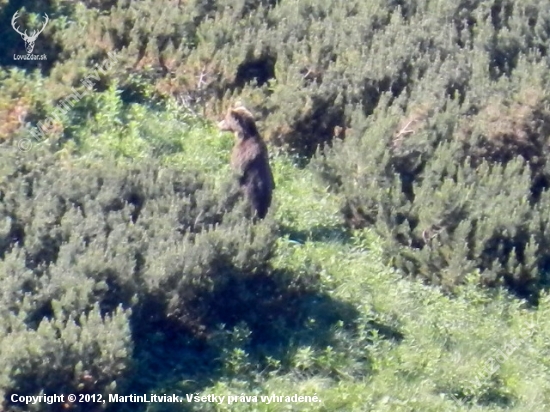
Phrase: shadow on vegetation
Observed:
(281, 312)
(259, 70)
(318, 233)
(495, 396)
(385, 331)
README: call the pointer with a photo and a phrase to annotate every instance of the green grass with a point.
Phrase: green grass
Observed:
(376, 342)
(413, 347)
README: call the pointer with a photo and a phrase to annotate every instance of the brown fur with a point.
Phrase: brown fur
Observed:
(250, 159)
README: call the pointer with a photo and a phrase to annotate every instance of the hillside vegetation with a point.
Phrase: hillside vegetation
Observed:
(403, 265)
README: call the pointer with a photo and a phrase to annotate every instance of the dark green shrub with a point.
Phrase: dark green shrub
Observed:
(95, 255)
(429, 83)
(455, 186)
(451, 162)
(302, 66)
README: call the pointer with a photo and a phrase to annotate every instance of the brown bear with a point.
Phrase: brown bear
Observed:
(250, 159)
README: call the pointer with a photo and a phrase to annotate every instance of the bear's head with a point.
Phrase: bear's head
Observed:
(240, 121)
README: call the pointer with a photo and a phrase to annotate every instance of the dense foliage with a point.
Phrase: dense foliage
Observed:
(127, 261)
(303, 65)
(91, 262)
(453, 169)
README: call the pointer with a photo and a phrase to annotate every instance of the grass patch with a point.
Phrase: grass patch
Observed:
(369, 341)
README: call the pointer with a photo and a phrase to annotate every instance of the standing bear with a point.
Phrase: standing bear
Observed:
(250, 159)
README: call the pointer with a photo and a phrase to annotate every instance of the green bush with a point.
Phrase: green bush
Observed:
(94, 256)
(301, 66)
(117, 277)
(455, 185)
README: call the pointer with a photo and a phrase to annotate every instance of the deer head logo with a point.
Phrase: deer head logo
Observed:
(29, 40)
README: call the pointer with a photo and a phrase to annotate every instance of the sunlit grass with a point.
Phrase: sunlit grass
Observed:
(404, 347)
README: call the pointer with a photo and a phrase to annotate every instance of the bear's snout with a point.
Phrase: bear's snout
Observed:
(222, 125)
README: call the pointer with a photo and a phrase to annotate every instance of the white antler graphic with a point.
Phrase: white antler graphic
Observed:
(29, 40)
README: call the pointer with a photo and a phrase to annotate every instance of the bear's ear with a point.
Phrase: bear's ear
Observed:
(237, 116)
(241, 113)
(245, 120)
(238, 104)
